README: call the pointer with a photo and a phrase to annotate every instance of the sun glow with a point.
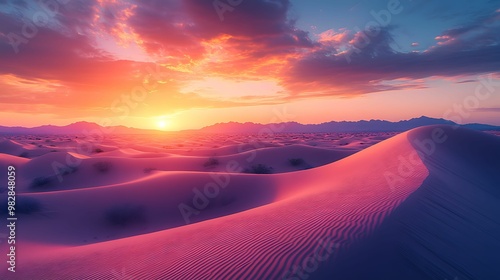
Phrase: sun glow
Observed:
(162, 124)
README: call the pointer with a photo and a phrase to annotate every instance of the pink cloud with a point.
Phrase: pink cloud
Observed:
(333, 36)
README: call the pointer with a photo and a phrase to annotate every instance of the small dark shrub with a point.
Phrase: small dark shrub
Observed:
(24, 155)
(148, 170)
(27, 205)
(102, 166)
(296, 161)
(66, 170)
(259, 169)
(211, 162)
(125, 215)
(24, 205)
(41, 182)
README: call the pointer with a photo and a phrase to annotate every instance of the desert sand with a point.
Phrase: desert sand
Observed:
(422, 204)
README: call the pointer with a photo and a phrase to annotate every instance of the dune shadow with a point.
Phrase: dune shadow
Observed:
(448, 228)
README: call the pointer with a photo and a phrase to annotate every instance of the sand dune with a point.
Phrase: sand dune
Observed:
(449, 227)
(67, 170)
(411, 207)
(14, 148)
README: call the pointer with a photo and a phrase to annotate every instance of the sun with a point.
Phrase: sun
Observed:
(162, 124)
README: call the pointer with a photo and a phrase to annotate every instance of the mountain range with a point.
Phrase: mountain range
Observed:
(74, 128)
(334, 126)
(252, 128)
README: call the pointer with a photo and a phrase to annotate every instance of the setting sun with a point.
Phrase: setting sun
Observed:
(162, 124)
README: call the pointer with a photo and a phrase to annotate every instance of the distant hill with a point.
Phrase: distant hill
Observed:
(333, 126)
(74, 128)
(250, 128)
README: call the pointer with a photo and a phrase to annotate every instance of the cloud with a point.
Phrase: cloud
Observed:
(179, 28)
(76, 74)
(361, 65)
(258, 40)
(488, 110)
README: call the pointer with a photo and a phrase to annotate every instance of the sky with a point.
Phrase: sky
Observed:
(186, 64)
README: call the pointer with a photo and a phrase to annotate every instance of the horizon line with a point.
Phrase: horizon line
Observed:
(237, 122)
